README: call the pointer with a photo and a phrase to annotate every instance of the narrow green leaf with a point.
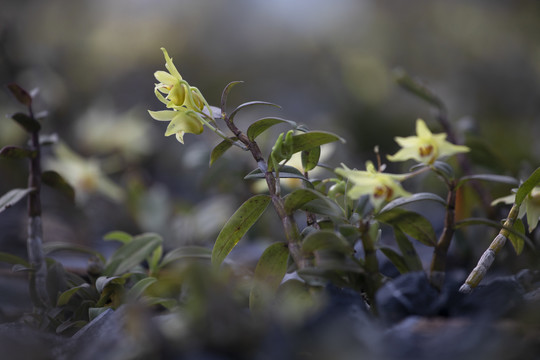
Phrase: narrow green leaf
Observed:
(310, 158)
(239, 223)
(64, 297)
(324, 206)
(444, 169)
(309, 140)
(66, 325)
(269, 273)
(489, 177)
(410, 223)
(51, 247)
(29, 124)
(94, 312)
(12, 197)
(20, 94)
(186, 252)
(249, 104)
(132, 254)
(103, 281)
(13, 259)
(527, 186)
(496, 225)
(418, 89)
(285, 171)
(15, 152)
(220, 149)
(121, 236)
(261, 125)
(57, 182)
(225, 93)
(517, 241)
(410, 256)
(153, 260)
(396, 259)
(138, 289)
(413, 198)
(298, 198)
(326, 240)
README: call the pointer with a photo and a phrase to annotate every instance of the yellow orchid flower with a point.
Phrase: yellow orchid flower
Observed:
(529, 207)
(425, 147)
(187, 103)
(379, 186)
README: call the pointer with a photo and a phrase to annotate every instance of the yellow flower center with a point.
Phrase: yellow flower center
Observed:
(425, 150)
(383, 191)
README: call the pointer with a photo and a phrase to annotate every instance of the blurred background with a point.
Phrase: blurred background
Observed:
(329, 64)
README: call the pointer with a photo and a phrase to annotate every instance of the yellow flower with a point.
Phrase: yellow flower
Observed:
(530, 206)
(425, 147)
(379, 186)
(187, 103)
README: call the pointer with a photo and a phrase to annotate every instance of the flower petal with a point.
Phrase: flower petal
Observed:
(422, 130)
(185, 121)
(164, 115)
(165, 78)
(170, 65)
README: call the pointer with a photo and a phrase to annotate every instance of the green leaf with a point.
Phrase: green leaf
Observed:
(29, 124)
(94, 312)
(261, 125)
(66, 325)
(249, 104)
(121, 236)
(239, 223)
(413, 198)
(57, 182)
(309, 140)
(496, 225)
(444, 169)
(324, 206)
(138, 289)
(310, 158)
(220, 149)
(132, 254)
(186, 252)
(326, 240)
(527, 186)
(396, 259)
(269, 273)
(298, 198)
(103, 281)
(12, 197)
(153, 260)
(20, 94)
(416, 88)
(51, 247)
(410, 256)
(489, 177)
(15, 152)
(225, 93)
(285, 171)
(517, 241)
(13, 259)
(410, 223)
(64, 297)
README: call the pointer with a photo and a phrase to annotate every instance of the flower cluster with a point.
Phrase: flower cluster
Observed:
(187, 104)
(425, 147)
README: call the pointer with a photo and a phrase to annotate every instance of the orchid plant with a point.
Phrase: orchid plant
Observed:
(332, 224)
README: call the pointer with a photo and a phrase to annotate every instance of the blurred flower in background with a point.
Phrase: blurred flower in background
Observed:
(85, 175)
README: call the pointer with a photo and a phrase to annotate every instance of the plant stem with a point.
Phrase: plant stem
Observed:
(438, 261)
(478, 273)
(289, 223)
(35, 230)
(371, 263)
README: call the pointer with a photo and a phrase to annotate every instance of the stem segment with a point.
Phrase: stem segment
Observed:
(438, 261)
(35, 230)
